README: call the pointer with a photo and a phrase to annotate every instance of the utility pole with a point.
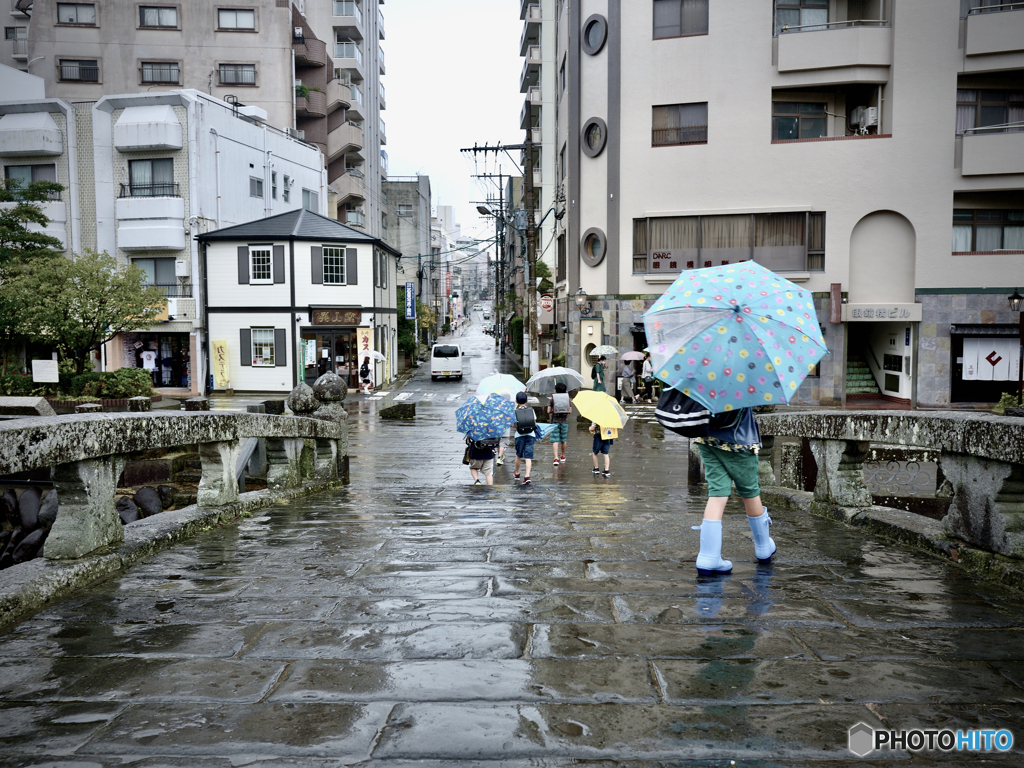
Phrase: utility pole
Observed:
(530, 338)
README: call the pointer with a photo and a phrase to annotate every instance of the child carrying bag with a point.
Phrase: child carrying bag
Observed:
(526, 421)
(560, 403)
(683, 415)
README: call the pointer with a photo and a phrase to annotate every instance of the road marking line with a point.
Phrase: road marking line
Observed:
(453, 397)
(403, 396)
(428, 395)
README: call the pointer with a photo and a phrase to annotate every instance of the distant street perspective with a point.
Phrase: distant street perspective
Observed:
(512, 383)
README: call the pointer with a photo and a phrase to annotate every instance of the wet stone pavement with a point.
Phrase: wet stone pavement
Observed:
(413, 619)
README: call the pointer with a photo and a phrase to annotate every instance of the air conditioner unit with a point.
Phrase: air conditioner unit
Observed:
(182, 268)
(295, 134)
(299, 34)
(864, 116)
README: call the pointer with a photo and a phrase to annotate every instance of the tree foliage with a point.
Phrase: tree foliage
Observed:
(544, 273)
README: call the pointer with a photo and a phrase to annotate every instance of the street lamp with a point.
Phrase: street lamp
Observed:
(584, 306)
(1015, 300)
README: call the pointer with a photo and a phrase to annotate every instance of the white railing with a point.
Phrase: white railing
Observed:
(834, 24)
(348, 8)
(1015, 127)
(995, 8)
(380, 53)
(20, 47)
(355, 218)
(348, 50)
(357, 95)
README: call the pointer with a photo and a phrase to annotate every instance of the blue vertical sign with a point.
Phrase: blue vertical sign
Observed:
(410, 301)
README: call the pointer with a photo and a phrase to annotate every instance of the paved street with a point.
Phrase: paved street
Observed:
(413, 617)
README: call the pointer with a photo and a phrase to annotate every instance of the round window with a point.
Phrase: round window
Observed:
(595, 245)
(595, 135)
(595, 32)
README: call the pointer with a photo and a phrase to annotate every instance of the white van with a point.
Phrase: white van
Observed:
(446, 360)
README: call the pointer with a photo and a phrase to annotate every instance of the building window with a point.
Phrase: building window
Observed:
(158, 16)
(273, 185)
(561, 77)
(263, 346)
(238, 74)
(20, 176)
(404, 210)
(676, 18)
(159, 272)
(785, 242)
(261, 266)
(255, 187)
(595, 32)
(334, 266)
(160, 72)
(987, 230)
(560, 259)
(15, 33)
(797, 120)
(990, 6)
(235, 18)
(76, 13)
(84, 71)
(977, 108)
(680, 124)
(310, 200)
(151, 178)
(562, 167)
(800, 15)
(286, 194)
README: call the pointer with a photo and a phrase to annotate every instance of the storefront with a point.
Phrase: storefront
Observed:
(331, 344)
(166, 357)
(985, 362)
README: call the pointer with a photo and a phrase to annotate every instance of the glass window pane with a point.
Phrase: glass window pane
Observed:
(992, 116)
(246, 19)
(786, 17)
(695, 17)
(149, 17)
(813, 16)
(990, 237)
(966, 95)
(666, 18)
(988, 95)
(66, 13)
(168, 17)
(814, 109)
(960, 214)
(990, 215)
(786, 108)
(86, 14)
(165, 272)
(1015, 215)
(962, 237)
(21, 174)
(812, 127)
(965, 117)
(1013, 238)
(44, 172)
(786, 128)
(673, 233)
(779, 229)
(725, 231)
(817, 232)
(148, 267)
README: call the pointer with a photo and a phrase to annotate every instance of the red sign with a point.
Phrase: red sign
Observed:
(547, 302)
(448, 282)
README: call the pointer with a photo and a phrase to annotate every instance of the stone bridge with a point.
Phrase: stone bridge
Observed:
(981, 458)
(87, 452)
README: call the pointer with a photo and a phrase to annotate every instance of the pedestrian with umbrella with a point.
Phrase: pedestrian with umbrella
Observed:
(730, 338)
(608, 418)
(484, 421)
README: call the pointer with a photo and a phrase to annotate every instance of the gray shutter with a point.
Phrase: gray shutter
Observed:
(280, 347)
(278, 263)
(351, 266)
(245, 345)
(376, 271)
(316, 257)
(243, 265)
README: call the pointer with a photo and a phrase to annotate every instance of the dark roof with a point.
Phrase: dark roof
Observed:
(299, 224)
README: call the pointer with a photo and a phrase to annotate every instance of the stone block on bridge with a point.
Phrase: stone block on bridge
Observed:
(399, 411)
(218, 485)
(841, 472)
(140, 404)
(197, 404)
(987, 509)
(25, 406)
(283, 462)
(326, 462)
(89, 408)
(88, 516)
(274, 407)
(791, 466)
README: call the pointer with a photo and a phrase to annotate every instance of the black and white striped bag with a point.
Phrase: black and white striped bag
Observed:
(681, 414)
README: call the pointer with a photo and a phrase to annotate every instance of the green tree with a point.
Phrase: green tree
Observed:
(81, 303)
(21, 249)
(544, 273)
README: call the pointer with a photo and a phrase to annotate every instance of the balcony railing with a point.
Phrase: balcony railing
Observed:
(20, 47)
(996, 8)
(160, 189)
(690, 134)
(357, 95)
(173, 290)
(355, 218)
(348, 8)
(380, 57)
(833, 25)
(380, 23)
(348, 51)
(160, 74)
(1015, 127)
(89, 73)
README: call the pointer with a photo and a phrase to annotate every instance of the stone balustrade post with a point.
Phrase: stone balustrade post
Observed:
(218, 485)
(140, 404)
(283, 455)
(987, 509)
(765, 468)
(791, 466)
(307, 459)
(197, 404)
(694, 466)
(841, 472)
(89, 408)
(88, 518)
(326, 459)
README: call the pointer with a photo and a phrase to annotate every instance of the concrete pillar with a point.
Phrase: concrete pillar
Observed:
(88, 518)
(791, 466)
(283, 456)
(841, 472)
(765, 470)
(218, 485)
(988, 503)
(326, 459)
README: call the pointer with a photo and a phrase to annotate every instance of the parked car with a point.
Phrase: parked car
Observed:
(446, 361)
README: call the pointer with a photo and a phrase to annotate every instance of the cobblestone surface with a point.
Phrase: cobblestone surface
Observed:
(413, 619)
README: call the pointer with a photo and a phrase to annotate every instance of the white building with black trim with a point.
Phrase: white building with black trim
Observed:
(296, 295)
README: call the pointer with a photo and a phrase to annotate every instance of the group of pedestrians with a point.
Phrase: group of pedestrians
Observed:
(628, 378)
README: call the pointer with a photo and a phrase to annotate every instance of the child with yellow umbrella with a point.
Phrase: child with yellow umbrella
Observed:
(608, 417)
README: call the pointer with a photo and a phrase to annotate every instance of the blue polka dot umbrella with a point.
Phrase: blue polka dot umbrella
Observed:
(734, 336)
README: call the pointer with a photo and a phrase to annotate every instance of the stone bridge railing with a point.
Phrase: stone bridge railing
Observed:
(981, 457)
(87, 452)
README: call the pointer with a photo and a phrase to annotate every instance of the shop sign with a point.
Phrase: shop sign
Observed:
(448, 283)
(410, 301)
(337, 316)
(364, 341)
(221, 372)
(45, 372)
(991, 359)
(670, 260)
(881, 313)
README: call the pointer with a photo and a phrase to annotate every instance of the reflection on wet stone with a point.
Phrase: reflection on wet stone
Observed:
(411, 617)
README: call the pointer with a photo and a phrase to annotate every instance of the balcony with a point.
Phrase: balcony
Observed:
(530, 75)
(382, 100)
(314, 104)
(56, 213)
(20, 50)
(531, 29)
(530, 118)
(524, 8)
(383, 138)
(538, 177)
(995, 29)
(148, 222)
(346, 139)
(380, 24)
(355, 219)
(355, 108)
(996, 149)
(380, 59)
(845, 52)
(29, 133)
(310, 52)
(173, 290)
(338, 94)
(21, 8)
(350, 187)
(348, 56)
(348, 15)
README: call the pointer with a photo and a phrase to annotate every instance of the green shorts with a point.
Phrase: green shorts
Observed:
(723, 468)
(560, 434)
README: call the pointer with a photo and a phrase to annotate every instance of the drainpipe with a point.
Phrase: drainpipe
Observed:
(75, 214)
(294, 121)
(216, 167)
(267, 172)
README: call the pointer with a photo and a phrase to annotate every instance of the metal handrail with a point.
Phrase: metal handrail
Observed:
(173, 290)
(848, 22)
(159, 189)
(161, 74)
(988, 8)
(1013, 128)
(348, 50)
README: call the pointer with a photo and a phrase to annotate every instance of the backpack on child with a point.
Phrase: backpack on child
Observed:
(526, 421)
(683, 415)
(364, 371)
(560, 403)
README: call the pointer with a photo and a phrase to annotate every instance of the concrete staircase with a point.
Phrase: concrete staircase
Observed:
(859, 379)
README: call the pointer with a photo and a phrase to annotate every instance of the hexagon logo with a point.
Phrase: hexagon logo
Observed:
(861, 739)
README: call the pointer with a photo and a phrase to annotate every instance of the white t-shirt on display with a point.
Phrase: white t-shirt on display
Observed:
(149, 360)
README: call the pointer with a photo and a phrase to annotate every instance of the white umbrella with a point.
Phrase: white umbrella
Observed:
(377, 355)
(543, 383)
(604, 349)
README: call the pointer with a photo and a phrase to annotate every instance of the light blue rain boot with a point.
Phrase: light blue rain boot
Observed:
(764, 545)
(709, 561)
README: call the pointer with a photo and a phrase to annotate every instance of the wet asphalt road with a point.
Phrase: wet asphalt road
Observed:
(412, 619)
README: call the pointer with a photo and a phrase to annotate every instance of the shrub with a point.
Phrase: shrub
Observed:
(16, 385)
(515, 329)
(114, 385)
(1007, 400)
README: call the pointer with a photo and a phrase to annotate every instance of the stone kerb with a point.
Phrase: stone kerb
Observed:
(982, 459)
(86, 454)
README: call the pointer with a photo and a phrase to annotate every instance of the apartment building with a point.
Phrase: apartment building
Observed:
(357, 162)
(408, 227)
(143, 174)
(871, 151)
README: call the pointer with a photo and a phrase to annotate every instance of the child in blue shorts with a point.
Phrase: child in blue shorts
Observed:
(527, 433)
(560, 408)
(604, 437)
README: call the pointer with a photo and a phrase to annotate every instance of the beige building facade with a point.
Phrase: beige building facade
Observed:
(872, 152)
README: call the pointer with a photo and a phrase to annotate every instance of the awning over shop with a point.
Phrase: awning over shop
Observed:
(965, 329)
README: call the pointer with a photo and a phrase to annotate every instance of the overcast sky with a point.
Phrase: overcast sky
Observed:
(452, 80)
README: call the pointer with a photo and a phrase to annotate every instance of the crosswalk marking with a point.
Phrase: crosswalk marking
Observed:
(453, 397)
(403, 396)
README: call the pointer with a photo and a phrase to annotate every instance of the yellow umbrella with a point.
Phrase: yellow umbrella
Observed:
(600, 408)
